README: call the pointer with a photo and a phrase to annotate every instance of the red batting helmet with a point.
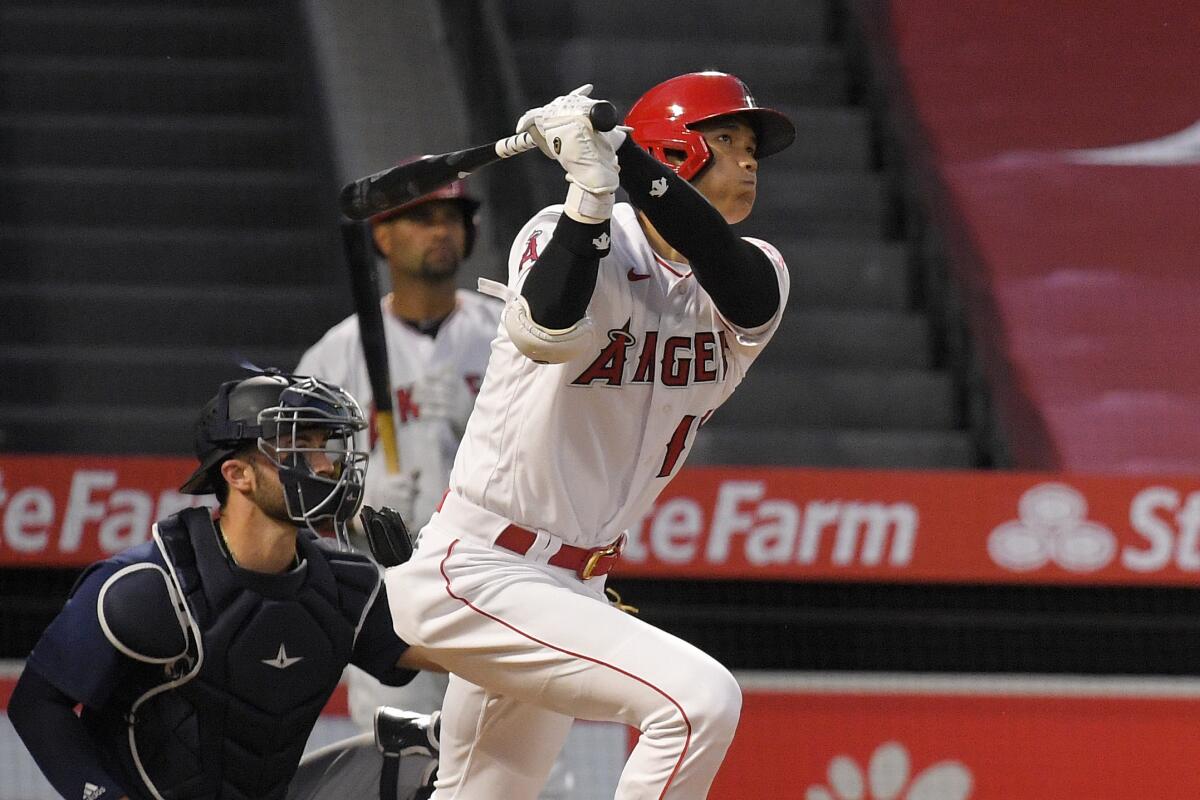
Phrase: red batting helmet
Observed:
(662, 118)
(456, 191)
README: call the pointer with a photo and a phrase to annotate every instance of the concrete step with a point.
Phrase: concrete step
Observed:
(114, 196)
(772, 21)
(842, 398)
(113, 428)
(223, 316)
(623, 68)
(846, 273)
(849, 338)
(143, 85)
(138, 141)
(805, 203)
(831, 138)
(160, 31)
(164, 256)
(152, 373)
(800, 446)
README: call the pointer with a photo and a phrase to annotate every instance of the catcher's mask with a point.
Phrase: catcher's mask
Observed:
(305, 427)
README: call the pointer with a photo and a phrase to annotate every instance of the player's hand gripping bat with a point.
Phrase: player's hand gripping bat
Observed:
(396, 186)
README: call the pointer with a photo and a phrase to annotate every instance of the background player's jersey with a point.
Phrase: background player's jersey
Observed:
(434, 383)
(616, 423)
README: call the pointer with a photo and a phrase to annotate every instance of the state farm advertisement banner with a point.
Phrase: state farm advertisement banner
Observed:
(978, 738)
(726, 522)
(919, 526)
(71, 511)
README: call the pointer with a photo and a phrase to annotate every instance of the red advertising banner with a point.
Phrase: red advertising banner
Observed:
(920, 526)
(726, 522)
(936, 738)
(73, 510)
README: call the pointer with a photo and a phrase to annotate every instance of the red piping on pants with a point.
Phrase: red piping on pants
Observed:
(687, 722)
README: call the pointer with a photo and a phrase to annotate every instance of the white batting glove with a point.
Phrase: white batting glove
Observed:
(443, 394)
(575, 104)
(563, 132)
(397, 490)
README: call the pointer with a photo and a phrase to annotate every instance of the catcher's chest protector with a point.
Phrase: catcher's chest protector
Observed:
(271, 650)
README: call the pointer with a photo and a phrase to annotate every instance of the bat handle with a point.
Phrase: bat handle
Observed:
(385, 425)
(602, 115)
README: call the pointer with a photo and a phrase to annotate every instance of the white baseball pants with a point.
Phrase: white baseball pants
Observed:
(533, 647)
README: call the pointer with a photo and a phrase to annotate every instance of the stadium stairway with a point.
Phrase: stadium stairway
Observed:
(166, 213)
(854, 378)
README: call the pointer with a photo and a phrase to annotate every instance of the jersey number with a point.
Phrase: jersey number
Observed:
(676, 445)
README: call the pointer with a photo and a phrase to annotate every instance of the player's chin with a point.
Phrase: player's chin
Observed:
(440, 267)
(739, 209)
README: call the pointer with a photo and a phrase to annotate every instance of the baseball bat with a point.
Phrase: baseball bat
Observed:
(364, 287)
(396, 186)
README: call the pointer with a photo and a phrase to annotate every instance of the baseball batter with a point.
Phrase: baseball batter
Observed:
(625, 327)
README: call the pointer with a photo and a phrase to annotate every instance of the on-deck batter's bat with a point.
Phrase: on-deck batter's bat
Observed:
(396, 186)
(364, 287)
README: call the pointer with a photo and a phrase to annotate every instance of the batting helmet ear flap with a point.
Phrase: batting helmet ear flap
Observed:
(667, 142)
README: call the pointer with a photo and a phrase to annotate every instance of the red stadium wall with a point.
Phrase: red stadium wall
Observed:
(729, 522)
(897, 737)
(1062, 147)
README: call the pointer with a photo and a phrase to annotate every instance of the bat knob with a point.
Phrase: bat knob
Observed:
(603, 116)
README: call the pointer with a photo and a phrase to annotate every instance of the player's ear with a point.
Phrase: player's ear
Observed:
(238, 473)
(382, 234)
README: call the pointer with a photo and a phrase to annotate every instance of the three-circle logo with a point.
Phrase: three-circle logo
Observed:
(1052, 526)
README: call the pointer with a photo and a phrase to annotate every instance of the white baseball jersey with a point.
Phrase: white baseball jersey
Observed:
(434, 382)
(582, 449)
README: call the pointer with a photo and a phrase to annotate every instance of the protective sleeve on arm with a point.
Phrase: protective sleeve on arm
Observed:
(45, 720)
(560, 283)
(737, 275)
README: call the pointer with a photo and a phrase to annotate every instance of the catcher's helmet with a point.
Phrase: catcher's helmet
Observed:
(278, 412)
(456, 191)
(662, 118)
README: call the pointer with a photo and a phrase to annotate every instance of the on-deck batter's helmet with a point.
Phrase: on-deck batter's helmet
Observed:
(662, 118)
(456, 191)
(274, 410)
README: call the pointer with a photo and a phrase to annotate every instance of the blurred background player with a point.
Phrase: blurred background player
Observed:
(202, 658)
(438, 342)
(625, 327)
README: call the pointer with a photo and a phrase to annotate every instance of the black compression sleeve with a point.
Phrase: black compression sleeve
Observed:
(45, 720)
(561, 281)
(737, 275)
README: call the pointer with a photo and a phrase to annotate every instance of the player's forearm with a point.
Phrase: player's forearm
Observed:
(45, 720)
(560, 283)
(737, 275)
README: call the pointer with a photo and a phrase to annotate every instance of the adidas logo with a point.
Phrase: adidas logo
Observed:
(601, 242)
(91, 791)
(658, 187)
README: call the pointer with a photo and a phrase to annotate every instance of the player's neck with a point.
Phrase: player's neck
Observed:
(255, 541)
(658, 244)
(419, 301)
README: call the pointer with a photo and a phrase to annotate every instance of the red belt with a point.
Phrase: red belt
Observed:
(586, 563)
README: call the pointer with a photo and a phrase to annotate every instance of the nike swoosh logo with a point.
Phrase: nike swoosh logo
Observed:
(636, 276)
